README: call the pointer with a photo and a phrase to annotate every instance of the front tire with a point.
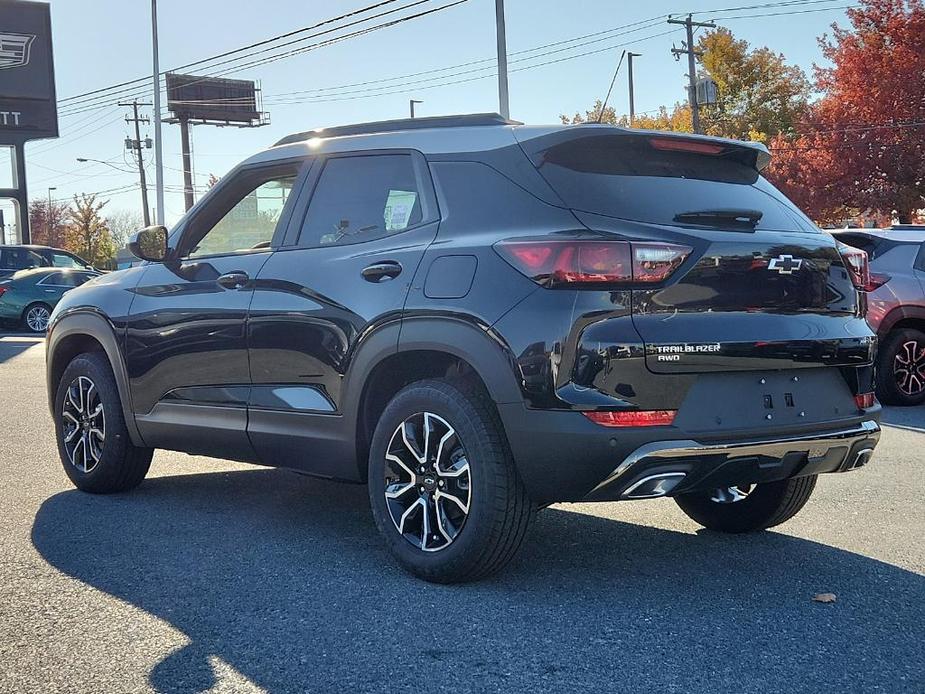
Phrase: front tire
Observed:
(444, 492)
(747, 508)
(901, 368)
(93, 442)
(35, 317)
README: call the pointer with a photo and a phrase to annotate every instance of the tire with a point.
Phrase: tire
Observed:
(95, 464)
(35, 317)
(901, 368)
(475, 465)
(765, 506)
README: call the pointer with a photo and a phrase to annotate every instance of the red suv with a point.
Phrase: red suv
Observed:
(896, 307)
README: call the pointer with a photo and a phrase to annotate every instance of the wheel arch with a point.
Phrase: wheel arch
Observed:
(902, 317)
(395, 357)
(80, 332)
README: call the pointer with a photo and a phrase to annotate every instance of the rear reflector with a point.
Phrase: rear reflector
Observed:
(865, 401)
(553, 263)
(857, 264)
(671, 144)
(632, 418)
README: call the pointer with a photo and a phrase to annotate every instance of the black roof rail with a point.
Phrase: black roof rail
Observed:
(387, 126)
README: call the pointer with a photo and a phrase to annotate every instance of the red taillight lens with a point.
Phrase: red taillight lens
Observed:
(632, 418)
(554, 263)
(857, 264)
(877, 279)
(865, 401)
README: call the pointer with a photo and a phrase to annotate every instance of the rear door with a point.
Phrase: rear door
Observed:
(343, 273)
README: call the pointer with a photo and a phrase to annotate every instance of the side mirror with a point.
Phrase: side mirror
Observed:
(149, 244)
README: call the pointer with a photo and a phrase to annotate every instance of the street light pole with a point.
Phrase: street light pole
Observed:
(411, 103)
(158, 149)
(503, 102)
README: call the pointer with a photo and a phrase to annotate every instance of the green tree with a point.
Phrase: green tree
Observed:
(759, 95)
(88, 236)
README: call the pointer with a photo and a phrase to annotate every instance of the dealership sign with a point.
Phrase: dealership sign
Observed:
(28, 110)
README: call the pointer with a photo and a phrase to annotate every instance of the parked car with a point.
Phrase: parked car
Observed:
(29, 296)
(479, 319)
(896, 307)
(15, 258)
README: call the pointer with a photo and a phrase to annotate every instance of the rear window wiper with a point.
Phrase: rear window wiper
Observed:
(735, 217)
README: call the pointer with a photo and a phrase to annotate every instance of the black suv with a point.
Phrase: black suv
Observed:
(480, 318)
(15, 258)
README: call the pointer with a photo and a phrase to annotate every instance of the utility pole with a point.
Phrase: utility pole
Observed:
(411, 103)
(692, 56)
(503, 102)
(158, 148)
(136, 145)
(629, 67)
(187, 164)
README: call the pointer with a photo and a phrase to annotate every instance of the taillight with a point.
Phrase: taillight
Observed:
(555, 263)
(877, 280)
(632, 418)
(3, 289)
(857, 264)
(865, 401)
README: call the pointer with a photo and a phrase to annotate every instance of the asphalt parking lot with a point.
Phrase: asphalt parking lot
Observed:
(224, 577)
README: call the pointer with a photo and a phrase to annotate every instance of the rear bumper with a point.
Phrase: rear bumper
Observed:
(562, 456)
(666, 468)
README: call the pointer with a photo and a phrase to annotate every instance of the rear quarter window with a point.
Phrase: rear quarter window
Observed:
(624, 176)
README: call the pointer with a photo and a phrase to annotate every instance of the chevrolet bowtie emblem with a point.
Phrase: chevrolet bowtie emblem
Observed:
(785, 264)
(14, 49)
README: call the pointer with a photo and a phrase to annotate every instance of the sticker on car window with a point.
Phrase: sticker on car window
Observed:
(398, 208)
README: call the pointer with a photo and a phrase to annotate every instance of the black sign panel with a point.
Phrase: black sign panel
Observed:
(28, 109)
(212, 99)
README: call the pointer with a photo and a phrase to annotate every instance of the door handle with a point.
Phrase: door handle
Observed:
(381, 272)
(233, 280)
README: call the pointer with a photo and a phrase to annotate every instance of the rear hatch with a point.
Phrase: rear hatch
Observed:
(760, 287)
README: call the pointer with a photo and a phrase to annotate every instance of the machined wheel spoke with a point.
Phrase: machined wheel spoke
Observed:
(455, 499)
(427, 481)
(83, 424)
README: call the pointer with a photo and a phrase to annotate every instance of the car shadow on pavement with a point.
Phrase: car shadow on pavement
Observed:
(12, 345)
(284, 578)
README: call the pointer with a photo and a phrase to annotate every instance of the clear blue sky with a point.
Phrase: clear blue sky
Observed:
(101, 42)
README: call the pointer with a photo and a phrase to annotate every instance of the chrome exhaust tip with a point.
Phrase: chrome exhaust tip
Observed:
(861, 458)
(653, 486)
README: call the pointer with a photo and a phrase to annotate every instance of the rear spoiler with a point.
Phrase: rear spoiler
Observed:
(754, 154)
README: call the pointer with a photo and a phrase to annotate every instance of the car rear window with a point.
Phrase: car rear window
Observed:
(624, 175)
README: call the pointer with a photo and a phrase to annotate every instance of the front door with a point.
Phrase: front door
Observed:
(186, 350)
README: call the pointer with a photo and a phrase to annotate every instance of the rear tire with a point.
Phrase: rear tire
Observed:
(765, 506)
(465, 456)
(901, 368)
(35, 317)
(93, 442)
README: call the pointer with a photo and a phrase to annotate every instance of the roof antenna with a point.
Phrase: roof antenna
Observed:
(600, 116)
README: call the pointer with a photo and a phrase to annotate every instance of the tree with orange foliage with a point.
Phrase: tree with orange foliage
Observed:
(863, 146)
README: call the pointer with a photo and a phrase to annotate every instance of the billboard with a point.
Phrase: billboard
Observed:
(214, 100)
(28, 109)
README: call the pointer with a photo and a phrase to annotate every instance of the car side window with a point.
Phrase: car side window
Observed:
(360, 198)
(21, 259)
(63, 279)
(62, 260)
(251, 220)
